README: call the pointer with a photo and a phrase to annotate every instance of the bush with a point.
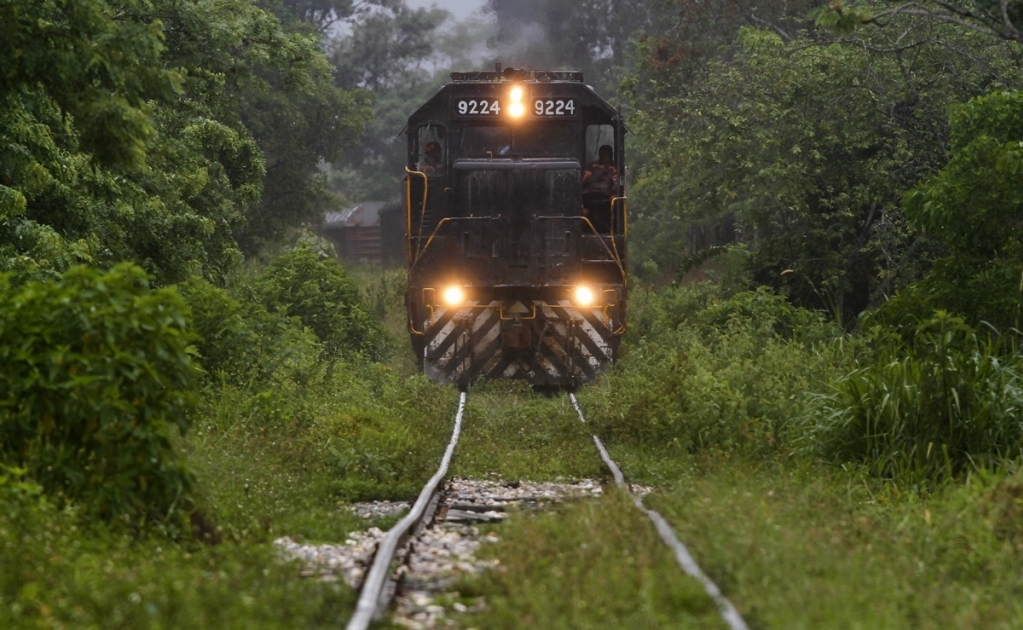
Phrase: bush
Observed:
(318, 292)
(718, 373)
(241, 343)
(95, 376)
(926, 408)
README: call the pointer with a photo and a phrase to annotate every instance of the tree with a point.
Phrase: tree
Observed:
(803, 148)
(971, 206)
(591, 36)
(391, 53)
(141, 131)
(1002, 19)
(95, 62)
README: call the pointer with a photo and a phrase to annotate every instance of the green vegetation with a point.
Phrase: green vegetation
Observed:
(821, 381)
(719, 407)
(96, 380)
(591, 565)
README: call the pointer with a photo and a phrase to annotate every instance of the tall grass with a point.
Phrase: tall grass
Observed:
(925, 407)
(717, 373)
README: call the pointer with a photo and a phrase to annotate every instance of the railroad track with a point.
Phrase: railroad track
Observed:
(378, 587)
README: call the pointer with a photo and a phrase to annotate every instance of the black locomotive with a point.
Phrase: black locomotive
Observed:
(516, 265)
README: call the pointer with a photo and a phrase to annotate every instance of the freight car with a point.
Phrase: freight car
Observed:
(516, 229)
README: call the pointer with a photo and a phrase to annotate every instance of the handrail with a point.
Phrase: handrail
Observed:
(614, 257)
(408, 207)
(419, 253)
(625, 226)
(500, 313)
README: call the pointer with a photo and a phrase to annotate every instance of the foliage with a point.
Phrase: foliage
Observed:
(801, 149)
(932, 408)
(95, 65)
(317, 291)
(389, 54)
(144, 131)
(96, 380)
(59, 572)
(991, 18)
(718, 374)
(971, 207)
(240, 343)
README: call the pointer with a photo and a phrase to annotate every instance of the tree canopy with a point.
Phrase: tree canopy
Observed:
(166, 132)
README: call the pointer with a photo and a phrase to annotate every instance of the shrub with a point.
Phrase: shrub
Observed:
(240, 342)
(95, 376)
(318, 292)
(718, 374)
(926, 408)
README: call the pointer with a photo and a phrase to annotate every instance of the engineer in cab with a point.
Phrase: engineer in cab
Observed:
(600, 183)
(433, 159)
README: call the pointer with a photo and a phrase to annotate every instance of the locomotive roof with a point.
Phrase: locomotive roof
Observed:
(511, 74)
(471, 83)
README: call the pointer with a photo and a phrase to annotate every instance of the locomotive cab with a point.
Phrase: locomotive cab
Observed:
(514, 270)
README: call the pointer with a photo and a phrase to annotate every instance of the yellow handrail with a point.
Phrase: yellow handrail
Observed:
(500, 313)
(614, 255)
(408, 208)
(625, 229)
(420, 252)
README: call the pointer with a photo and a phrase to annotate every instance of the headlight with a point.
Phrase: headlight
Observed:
(454, 296)
(584, 296)
(516, 107)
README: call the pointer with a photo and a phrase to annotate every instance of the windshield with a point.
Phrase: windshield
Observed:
(547, 140)
(485, 142)
(542, 140)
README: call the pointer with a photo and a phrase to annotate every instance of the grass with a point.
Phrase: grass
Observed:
(705, 415)
(791, 544)
(57, 574)
(516, 434)
(595, 564)
(794, 543)
(266, 466)
(797, 546)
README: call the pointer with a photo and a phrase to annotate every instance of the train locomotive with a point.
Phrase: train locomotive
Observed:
(516, 265)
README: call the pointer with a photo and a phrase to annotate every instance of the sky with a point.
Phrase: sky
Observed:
(460, 9)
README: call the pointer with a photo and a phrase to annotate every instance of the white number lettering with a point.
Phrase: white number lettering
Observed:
(554, 107)
(462, 108)
(495, 108)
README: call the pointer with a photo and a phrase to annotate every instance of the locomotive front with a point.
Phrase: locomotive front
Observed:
(516, 224)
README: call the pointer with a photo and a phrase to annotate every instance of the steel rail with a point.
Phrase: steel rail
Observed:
(371, 598)
(682, 555)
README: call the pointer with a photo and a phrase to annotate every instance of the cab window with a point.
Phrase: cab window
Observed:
(431, 150)
(596, 137)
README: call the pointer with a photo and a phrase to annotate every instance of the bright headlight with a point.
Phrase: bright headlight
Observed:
(453, 296)
(584, 296)
(516, 109)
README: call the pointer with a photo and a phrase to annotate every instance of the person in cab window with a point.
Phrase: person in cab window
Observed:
(433, 160)
(600, 183)
(601, 175)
